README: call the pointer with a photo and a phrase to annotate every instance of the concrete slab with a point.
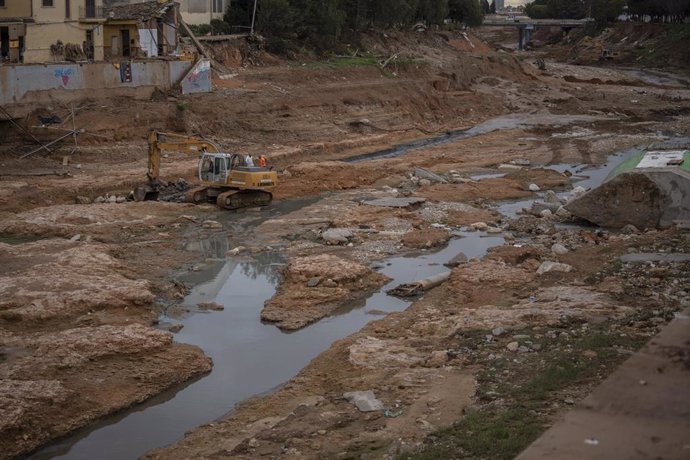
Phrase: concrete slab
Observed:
(641, 411)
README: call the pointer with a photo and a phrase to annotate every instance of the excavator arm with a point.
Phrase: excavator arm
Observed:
(173, 142)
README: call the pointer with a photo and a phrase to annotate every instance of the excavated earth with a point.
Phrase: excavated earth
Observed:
(83, 285)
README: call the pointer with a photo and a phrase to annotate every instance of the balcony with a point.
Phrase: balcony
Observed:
(92, 13)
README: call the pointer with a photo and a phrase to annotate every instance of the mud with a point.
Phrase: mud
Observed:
(101, 295)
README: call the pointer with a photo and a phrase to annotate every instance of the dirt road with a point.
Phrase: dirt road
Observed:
(83, 284)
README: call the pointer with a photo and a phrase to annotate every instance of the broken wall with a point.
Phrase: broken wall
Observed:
(39, 83)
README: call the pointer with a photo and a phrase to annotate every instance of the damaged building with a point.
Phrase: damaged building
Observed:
(41, 31)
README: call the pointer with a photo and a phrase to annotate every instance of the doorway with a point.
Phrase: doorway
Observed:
(4, 43)
(124, 34)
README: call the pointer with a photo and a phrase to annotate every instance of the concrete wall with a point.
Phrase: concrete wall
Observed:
(200, 11)
(40, 36)
(198, 79)
(16, 9)
(36, 83)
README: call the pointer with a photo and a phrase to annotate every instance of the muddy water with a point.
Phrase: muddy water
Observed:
(249, 357)
(512, 121)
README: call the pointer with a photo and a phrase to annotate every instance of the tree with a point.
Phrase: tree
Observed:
(492, 8)
(486, 9)
(467, 11)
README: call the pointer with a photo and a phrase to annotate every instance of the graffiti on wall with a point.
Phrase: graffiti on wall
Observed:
(64, 74)
(200, 74)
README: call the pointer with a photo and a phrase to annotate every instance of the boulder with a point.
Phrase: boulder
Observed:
(337, 235)
(457, 260)
(364, 401)
(550, 266)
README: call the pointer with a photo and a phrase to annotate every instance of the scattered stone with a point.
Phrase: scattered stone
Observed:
(437, 358)
(520, 162)
(563, 213)
(329, 283)
(457, 260)
(253, 443)
(520, 337)
(424, 182)
(423, 173)
(112, 199)
(550, 266)
(99, 199)
(120, 199)
(75, 238)
(336, 236)
(551, 197)
(536, 346)
(480, 226)
(513, 346)
(364, 401)
(235, 251)
(559, 249)
(499, 331)
(522, 349)
(215, 306)
(175, 328)
(590, 354)
(212, 224)
(313, 282)
(630, 229)
(534, 188)
(577, 192)
(569, 401)
(505, 166)
(546, 213)
(494, 230)
(82, 200)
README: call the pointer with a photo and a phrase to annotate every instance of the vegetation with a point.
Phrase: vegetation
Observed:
(608, 10)
(322, 24)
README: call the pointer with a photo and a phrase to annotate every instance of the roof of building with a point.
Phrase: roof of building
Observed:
(138, 11)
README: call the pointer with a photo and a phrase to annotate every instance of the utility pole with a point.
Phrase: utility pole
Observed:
(251, 32)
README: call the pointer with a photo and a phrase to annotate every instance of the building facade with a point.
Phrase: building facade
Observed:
(192, 11)
(48, 30)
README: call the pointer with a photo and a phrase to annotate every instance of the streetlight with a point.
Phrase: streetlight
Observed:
(253, 17)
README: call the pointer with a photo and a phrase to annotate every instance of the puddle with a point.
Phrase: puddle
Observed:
(250, 358)
(512, 121)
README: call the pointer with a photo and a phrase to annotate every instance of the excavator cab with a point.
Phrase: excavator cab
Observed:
(214, 167)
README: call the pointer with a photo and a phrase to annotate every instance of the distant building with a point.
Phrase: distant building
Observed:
(192, 11)
(500, 4)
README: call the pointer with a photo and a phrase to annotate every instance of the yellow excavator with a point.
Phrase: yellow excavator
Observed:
(225, 178)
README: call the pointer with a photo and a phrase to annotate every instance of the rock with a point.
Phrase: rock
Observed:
(520, 337)
(329, 283)
(505, 166)
(569, 401)
(630, 229)
(212, 224)
(457, 260)
(551, 197)
(235, 251)
(395, 202)
(589, 354)
(534, 188)
(120, 199)
(424, 182)
(494, 230)
(536, 346)
(175, 328)
(513, 346)
(75, 238)
(364, 401)
(537, 207)
(99, 199)
(550, 266)
(522, 349)
(563, 213)
(313, 282)
(577, 192)
(111, 199)
(337, 235)
(559, 249)
(437, 358)
(82, 200)
(211, 306)
(520, 162)
(480, 226)
(546, 213)
(253, 443)
(423, 173)
(499, 331)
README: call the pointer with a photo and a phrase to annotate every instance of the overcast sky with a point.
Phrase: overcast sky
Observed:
(516, 2)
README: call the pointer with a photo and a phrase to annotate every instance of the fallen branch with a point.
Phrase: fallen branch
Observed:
(417, 287)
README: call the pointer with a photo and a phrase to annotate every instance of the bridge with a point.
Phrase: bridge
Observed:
(526, 26)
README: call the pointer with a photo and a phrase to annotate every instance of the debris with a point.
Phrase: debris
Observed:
(215, 306)
(364, 401)
(534, 188)
(550, 266)
(423, 173)
(457, 260)
(337, 235)
(513, 346)
(75, 238)
(479, 226)
(395, 202)
(559, 249)
(499, 331)
(313, 282)
(235, 251)
(417, 287)
(82, 200)
(592, 441)
(212, 224)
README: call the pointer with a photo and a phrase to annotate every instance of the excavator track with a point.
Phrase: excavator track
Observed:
(197, 195)
(236, 199)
